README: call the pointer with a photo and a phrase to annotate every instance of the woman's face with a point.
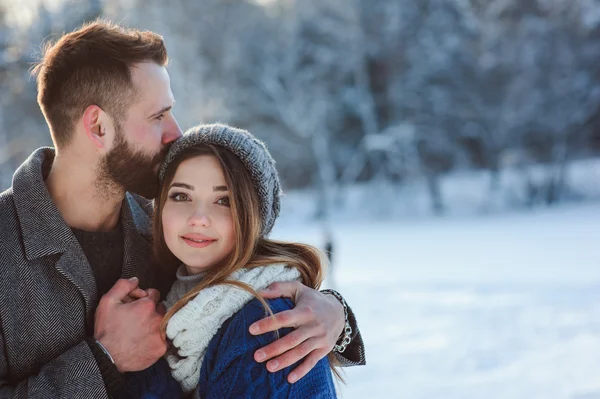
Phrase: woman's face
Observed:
(196, 218)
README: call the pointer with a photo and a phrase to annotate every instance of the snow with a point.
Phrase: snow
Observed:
(497, 306)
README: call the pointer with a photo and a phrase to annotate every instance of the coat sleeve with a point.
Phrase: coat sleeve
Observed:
(230, 371)
(354, 355)
(73, 374)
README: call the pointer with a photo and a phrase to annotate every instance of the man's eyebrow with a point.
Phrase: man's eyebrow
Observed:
(183, 185)
(162, 111)
(220, 188)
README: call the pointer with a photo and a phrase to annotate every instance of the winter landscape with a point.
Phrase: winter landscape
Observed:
(450, 148)
(480, 307)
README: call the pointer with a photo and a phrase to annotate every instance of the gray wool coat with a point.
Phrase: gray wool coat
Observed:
(47, 289)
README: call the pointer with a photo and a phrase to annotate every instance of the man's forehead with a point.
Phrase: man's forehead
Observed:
(153, 86)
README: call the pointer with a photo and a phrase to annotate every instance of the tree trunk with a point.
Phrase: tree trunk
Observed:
(326, 175)
(558, 172)
(435, 192)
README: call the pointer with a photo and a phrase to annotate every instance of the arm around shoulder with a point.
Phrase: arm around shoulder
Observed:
(230, 371)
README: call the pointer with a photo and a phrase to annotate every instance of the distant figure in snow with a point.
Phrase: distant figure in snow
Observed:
(328, 248)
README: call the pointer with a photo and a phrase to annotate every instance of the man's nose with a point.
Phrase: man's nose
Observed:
(172, 131)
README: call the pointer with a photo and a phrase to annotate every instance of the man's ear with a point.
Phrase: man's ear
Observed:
(95, 129)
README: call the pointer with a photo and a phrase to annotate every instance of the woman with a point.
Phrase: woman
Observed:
(218, 201)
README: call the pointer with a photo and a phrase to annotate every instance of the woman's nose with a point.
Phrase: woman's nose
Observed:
(199, 218)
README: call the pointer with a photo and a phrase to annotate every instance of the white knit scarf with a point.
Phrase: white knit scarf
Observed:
(194, 325)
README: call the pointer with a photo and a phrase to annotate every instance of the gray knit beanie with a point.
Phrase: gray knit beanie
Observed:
(252, 152)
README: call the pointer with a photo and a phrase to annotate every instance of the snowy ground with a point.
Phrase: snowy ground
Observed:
(492, 307)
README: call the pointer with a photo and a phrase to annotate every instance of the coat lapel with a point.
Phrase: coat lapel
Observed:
(44, 230)
(75, 267)
(137, 231)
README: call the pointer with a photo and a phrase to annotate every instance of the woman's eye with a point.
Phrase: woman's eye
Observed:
(178, 197)
(160, 117)
(223, 201)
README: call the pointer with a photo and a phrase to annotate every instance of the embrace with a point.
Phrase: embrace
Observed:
(106, 293)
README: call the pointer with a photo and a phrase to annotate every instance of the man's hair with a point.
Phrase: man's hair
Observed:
(92, 66)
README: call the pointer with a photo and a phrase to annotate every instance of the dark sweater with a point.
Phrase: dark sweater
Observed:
(104, 252)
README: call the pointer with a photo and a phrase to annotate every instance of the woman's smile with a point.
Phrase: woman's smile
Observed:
(197, 240)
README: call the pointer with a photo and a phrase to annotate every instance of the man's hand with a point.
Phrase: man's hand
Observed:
(136, 294)
(139, 293)
(318, 320)
(130, 330)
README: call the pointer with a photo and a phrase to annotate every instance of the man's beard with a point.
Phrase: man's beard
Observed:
(130, 170)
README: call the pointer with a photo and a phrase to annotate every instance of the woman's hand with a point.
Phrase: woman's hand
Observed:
(139, 293)
(318, 320)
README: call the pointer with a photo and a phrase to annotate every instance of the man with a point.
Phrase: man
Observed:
(76, 305)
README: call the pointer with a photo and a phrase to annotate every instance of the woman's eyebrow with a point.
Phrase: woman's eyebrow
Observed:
(220, 188)
(183, 185)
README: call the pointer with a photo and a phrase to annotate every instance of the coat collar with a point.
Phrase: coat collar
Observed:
(45, 232)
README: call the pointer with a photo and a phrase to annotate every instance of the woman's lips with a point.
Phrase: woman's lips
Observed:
(197, 240)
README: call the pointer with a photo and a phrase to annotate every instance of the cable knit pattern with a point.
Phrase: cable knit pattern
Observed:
(230, 371)
(193, 326)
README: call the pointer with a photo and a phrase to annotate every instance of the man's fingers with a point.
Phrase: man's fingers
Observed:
(287, 318)
(292, 356)
(161, 309)
(307, 365)
(154, 295)
(284, 289)
(138, 293)
(122, 288)
(282, 345)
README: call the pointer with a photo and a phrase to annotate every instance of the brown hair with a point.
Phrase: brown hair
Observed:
(250, 250)
(92, 66)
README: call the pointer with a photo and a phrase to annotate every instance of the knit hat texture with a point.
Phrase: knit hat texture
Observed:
(252, 152)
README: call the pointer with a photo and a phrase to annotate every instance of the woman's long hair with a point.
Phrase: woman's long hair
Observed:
(250, 249)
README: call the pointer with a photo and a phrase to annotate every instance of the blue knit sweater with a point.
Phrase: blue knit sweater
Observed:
(229, 369)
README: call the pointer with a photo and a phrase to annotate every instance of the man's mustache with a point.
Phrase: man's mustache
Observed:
(160, 157)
